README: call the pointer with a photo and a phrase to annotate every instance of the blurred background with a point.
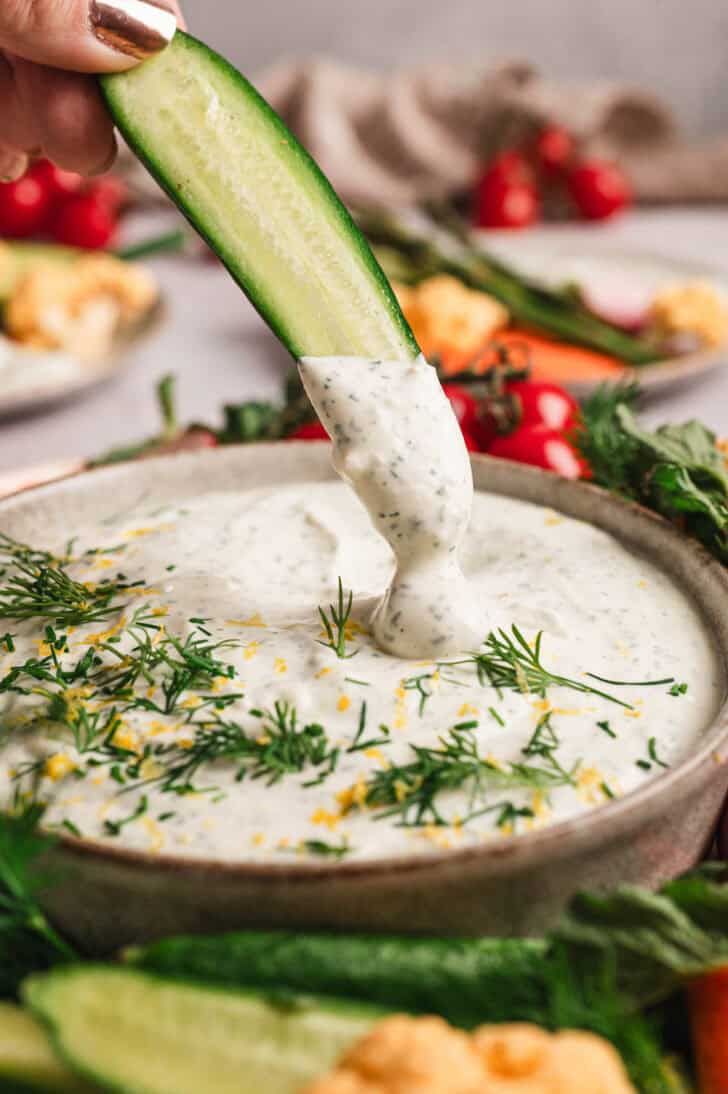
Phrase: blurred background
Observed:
(677, 50)
(575, 150)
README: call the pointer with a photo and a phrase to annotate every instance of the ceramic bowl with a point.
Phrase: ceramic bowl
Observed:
(109, 897)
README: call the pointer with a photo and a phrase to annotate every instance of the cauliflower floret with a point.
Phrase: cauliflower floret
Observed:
(450, 320)
(78, 307)
(694, 308)
(344, 1081)
(523, 1059)
(403, 1055)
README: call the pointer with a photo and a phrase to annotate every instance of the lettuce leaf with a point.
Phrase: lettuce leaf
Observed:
(677, 470)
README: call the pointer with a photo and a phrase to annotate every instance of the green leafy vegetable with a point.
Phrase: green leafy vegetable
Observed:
(676, 470)
(654, 941)
(28, 942)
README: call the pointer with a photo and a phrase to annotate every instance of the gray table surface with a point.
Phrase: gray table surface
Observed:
(221, 351)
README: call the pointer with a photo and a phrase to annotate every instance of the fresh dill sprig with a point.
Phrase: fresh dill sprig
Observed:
(37, 586)
(359, 743)
(114, 828)
(510, 663)
(654, 759)
(167, 664)
(545, 743)
(421, 684)
(413, 791)
(630, 683)
(336, 622)
(322, 849)
(279, 747)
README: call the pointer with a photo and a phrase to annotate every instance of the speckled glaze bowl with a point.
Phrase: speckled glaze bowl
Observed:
(108, 897)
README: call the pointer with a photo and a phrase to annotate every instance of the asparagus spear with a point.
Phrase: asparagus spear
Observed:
(408, 256)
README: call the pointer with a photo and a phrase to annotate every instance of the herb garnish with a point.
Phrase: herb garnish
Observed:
(412, 791)
(646, 765)
(114, 828)
(336, 626)
(327, 850)
(606, 728)
(39, 587)
(422, 684)
(510, 663)
(678, 689)
(280, 747)
(358, 744)
(545, 743)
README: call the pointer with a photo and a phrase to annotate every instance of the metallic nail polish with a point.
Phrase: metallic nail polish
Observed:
(138, 28)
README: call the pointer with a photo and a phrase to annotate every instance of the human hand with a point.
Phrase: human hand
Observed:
(48, 106)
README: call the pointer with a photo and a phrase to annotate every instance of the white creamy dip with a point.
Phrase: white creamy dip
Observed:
(299, 670)
(398, 445)
(251, 569)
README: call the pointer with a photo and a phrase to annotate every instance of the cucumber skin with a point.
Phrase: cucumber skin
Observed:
(468, 982)
(126, 128)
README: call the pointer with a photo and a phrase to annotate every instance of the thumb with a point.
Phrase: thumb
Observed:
(87, 35)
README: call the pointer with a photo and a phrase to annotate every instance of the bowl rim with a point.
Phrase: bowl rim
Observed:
(595, 827)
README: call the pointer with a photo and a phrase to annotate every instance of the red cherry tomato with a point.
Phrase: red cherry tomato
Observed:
(57, 182)
(511, 166)
(110, 192)
(83, 222)
(23, 206)
(599, 189)
(502, 203)
(546, 404)
(554, 149)
(311, 431)
(541, 447)
(464, 405)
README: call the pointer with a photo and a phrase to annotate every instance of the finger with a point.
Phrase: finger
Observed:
(13, 164)
(62, 114)
(87, 35)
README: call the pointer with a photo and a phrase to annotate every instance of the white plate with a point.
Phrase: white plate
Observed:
(58, 385)
(555, 257)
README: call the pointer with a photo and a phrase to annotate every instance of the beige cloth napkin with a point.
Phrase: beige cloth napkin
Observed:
(398, 138)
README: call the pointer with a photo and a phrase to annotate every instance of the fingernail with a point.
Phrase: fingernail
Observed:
(138, 28)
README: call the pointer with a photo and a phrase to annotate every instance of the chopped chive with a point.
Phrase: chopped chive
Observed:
(494, 714)
(606, 728)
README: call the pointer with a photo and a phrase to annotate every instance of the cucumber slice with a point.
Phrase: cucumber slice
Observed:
(134, 1032)
(250, 189)
(468, 981)
(27, 1061)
